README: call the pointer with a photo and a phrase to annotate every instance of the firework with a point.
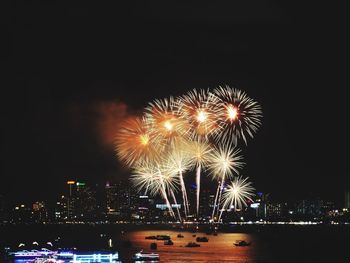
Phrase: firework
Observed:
(135, 143)
(164, 120)
(225, 161)
(178, 161)
(240, 115)
(193, 132)
(200, 109)
(200, 157)
(151, 178)
(236, 194)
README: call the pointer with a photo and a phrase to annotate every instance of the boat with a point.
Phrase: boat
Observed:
(192, 244)
(241, 243)
(25, 254)
(150, 237)
(180, 236)
(162, 237)
(153, 246)
(202, 239)
(194, 235)
(146, 256)
(168, 242)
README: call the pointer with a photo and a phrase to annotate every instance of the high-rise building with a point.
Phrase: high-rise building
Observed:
(70, 200)
(85, 203)
(21, 214)
(347, 200)
(310, 207)
(39, 212)
(121, 200)
(61, 209)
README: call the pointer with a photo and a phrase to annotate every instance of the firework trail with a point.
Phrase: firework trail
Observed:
(200, 157)
(178, 161)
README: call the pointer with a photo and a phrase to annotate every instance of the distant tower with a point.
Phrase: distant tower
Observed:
(70, 203)
(347, 200)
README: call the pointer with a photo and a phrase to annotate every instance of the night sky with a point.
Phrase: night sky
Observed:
(72, 72)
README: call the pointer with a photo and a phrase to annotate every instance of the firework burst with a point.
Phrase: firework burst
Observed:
(237, 193)
(134, 142)
(201, 110)
(240, 115)
(224, 162)
(164, 120)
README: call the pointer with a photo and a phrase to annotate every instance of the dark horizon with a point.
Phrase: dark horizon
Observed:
(73, 71)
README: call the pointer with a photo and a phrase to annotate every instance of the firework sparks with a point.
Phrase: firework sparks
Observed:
(201, 109)
(224, 162)
(237, 193)
(240, 115)
(177, 135)
(200, 157)
(164, 120)
(178, 161)
(135, 143)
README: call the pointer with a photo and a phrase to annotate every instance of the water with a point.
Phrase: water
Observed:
(270, 244)
(220, 248)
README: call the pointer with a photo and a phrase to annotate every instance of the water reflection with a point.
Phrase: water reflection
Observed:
(219, 248)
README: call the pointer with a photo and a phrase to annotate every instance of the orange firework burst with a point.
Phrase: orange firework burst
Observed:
(164, 120)
(135, 143)
(201, 109)
(240, 115)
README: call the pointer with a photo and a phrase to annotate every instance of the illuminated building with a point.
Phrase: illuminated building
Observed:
(21, 214)
(121, 201)
(61, 209)
(70, 200)
(85, 204)
(310, 208)
(39, 212)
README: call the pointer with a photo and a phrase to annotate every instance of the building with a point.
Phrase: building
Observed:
(39, 212)
(85, 203)
(21, 214)
(310, 208)
(121, 201)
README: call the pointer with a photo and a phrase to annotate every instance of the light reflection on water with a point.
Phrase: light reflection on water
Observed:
(220, 248)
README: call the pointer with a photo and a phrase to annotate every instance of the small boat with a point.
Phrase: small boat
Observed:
(215, 233)
(192, 244)
(194, 235)
(168, 242)
(202, 239)
(153, 246)
(140, 256)
(241, 243)
(151, 237)
(162, 237)
(180, 236)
